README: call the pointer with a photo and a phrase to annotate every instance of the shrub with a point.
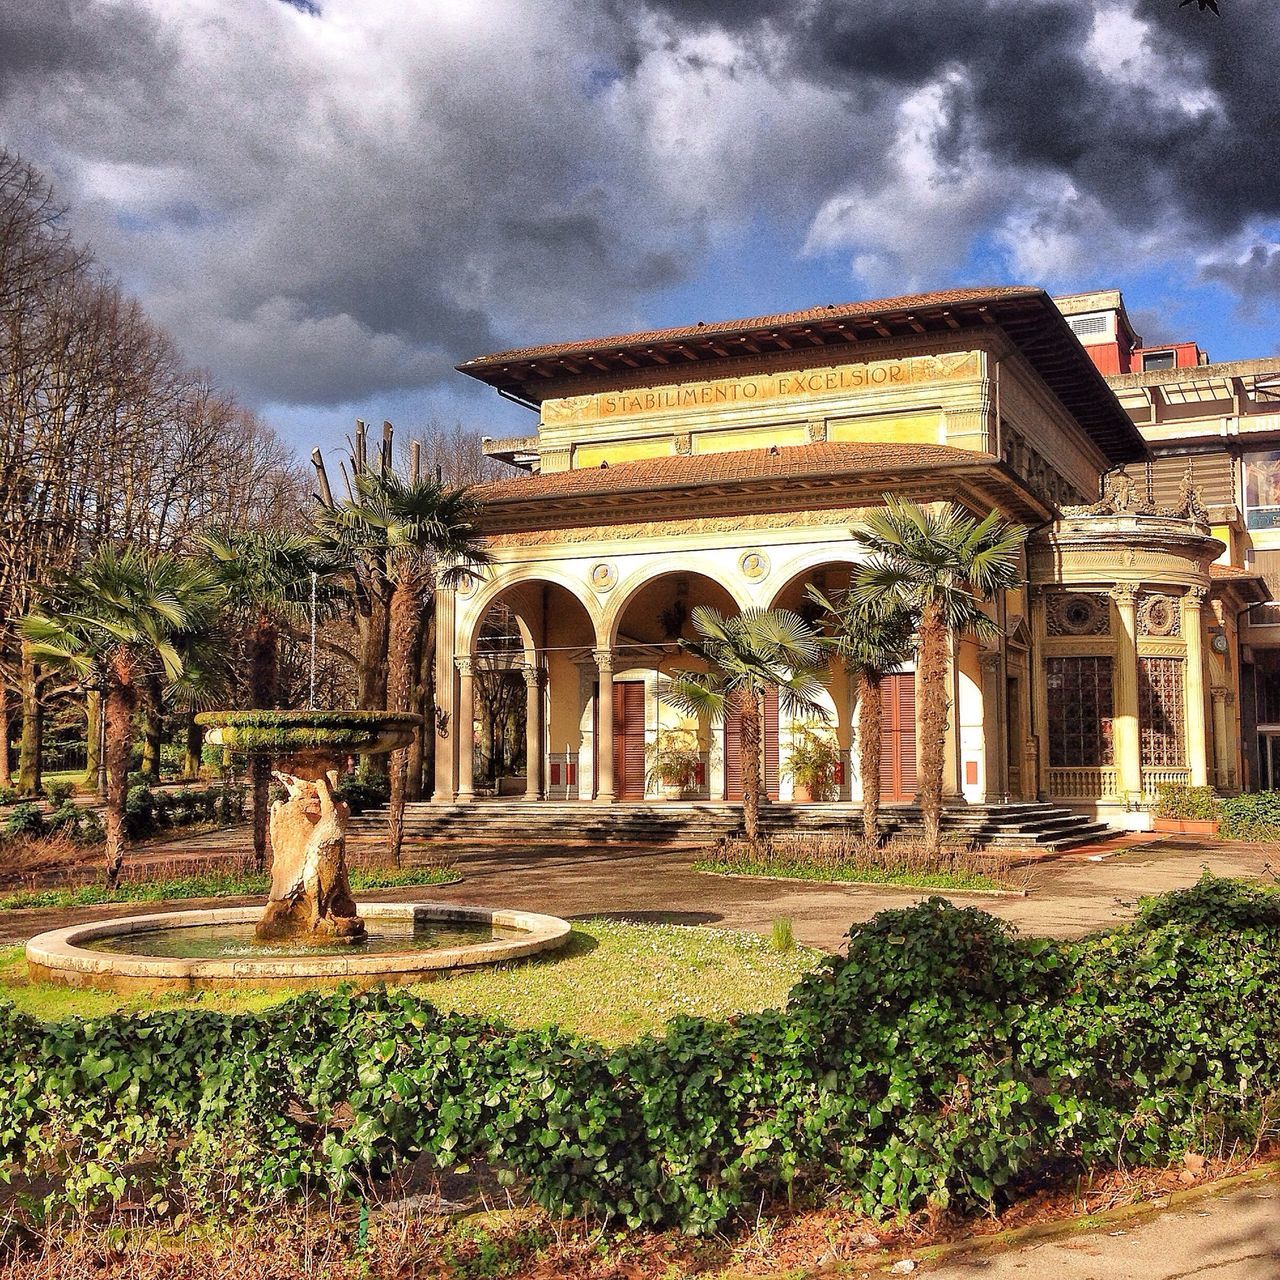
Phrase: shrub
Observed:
(364, 789)
(7, 795)
(26, 819)
(1250, 817)
(91, 830)
(66, 818)
(1194, 804)
(944, 1061)
(139, 811)
(59, 791)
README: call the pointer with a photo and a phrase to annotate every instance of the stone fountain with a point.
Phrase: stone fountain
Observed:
(310, 894)
(312, 929)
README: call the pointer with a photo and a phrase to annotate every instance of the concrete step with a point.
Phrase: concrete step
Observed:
(1013, 825)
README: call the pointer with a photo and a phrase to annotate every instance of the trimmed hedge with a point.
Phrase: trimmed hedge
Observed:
(945, 1061)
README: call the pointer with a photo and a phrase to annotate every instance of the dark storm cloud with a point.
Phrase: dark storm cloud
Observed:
(330, 204)
(1036, 97)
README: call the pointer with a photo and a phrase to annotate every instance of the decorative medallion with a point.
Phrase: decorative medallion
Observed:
(1159, 616)
(603, 575)
(466, 585)
(754, 565)
(684, 442)
(1219, 643)
(1078, 613)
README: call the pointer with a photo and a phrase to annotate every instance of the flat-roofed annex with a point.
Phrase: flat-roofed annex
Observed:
(1025, 314)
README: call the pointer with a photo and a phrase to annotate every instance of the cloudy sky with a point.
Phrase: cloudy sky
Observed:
(329, 204)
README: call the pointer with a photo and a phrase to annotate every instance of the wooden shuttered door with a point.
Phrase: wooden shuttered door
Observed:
(733, 748)
(898, 737)
(628, 739)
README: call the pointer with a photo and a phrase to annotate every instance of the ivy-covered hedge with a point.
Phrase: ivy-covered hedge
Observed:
(944, 1061)
(1253, 816)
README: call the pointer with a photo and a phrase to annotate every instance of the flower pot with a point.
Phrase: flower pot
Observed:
(802, 793)
(1187, 826)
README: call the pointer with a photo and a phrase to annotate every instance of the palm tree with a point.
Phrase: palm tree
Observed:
(417, 533)
(264, 576)
(122, 617)
(941, 563)
(871, 639)
(745, 656)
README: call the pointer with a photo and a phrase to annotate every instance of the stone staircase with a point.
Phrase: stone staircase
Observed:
(1033, 826)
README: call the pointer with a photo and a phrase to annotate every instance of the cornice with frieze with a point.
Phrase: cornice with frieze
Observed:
(591, 538)
(865, 351)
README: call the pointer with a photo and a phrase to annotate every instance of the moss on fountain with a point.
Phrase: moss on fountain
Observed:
(287, 733)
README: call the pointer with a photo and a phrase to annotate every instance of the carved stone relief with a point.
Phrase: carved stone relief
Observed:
(1078, 613)
(1159, 615)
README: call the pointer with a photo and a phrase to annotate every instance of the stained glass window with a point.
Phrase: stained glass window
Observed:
(1080, 712)
(1160, 712)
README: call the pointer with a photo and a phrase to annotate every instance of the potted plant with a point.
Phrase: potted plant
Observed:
(1188, 810)
(673, 762)
(813, 763)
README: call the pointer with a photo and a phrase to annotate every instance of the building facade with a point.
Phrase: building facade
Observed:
(725, 465)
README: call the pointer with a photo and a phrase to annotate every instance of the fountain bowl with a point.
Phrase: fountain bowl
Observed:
(62, 956)
(287, 734)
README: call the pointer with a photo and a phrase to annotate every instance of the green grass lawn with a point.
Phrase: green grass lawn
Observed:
(213, 885)
(825, 873)
(612, 982)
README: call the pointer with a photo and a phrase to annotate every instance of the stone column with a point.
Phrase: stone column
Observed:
(1128, 740)
(446, 701)
(1193, 691)
(533, 732)
(995, 729)
(465, 728)
(606, 792)
(1223, 756)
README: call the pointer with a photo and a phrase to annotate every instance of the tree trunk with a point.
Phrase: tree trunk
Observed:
(193, 756)
(263, 655)
(934, 704)
(372, 669)
(121, 702)
(869, 754)
(32, 740)
(93, 739)
(424, 656)
(749, 747)
(402, 670)
(6, 773)
(151, 729)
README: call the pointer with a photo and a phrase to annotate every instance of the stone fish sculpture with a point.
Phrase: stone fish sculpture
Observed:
(310, 893)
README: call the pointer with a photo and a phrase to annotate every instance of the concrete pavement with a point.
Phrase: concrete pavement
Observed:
(1069, 897)
(1235, 1236)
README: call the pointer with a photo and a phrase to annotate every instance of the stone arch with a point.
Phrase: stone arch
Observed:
(721, 594)
(519, 588)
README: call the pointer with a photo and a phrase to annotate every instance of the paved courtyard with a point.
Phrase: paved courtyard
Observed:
(1068, 897)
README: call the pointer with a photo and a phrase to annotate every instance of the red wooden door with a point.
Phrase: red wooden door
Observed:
(628, 738)
(733, 748)
(898, 737)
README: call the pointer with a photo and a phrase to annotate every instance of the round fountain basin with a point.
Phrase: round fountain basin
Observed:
(194, 950)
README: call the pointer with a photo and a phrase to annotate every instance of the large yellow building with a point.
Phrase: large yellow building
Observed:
(725, 464)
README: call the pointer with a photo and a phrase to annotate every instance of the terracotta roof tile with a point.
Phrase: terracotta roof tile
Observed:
(833, 311)
(793, 462)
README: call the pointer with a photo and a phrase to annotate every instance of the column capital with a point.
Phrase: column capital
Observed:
(1194, 598)
(1125, 594)
(466, 666)
(533, 675)
(603, 659)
